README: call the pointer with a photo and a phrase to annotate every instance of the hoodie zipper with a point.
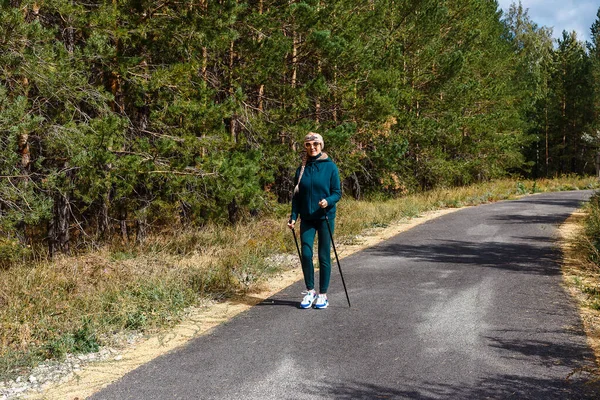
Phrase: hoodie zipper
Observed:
(312, 170)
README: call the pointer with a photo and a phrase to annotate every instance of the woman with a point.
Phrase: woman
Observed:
(316, 193)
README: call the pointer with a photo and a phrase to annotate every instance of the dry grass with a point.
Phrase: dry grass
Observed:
(582, 277)
(75, 304)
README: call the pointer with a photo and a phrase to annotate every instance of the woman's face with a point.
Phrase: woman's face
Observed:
(312, 148)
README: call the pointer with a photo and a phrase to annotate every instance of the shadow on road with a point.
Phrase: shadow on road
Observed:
(500, 387)
(553, 218)
(569, 203)
(527, 257)
(543, 352)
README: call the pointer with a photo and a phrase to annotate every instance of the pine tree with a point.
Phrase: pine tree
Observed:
(55, 115)
(534, 51)
(571, 115)
(593, 136)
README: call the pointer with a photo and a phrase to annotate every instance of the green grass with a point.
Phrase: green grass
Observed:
(76, 304)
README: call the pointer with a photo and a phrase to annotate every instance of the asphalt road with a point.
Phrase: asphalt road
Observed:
(466, 306)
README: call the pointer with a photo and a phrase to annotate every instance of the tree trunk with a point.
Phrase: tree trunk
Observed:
(204, 62)
(261, 93)
(547, 128)
(24, 150)
(261, 88)
(233, 210)
(70, 38)
(141, 226)
(295, 42)
(103, 219)
(123, 225)
(58, 232)
(115, 78)
(564, 132)
(233, 124)
(354, 185)
(574, 150)
(185, 213)
(318, 99)
(335, 99)
(205, 79)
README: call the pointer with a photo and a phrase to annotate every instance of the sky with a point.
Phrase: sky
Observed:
(569, 15)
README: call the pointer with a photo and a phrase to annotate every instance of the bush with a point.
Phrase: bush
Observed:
(12, 251)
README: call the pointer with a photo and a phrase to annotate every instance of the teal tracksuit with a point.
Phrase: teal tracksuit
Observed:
(320, 180)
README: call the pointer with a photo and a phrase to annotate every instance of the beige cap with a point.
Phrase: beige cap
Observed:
(314, 137)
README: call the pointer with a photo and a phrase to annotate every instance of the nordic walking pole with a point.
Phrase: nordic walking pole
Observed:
(336, 257)
(297, 248)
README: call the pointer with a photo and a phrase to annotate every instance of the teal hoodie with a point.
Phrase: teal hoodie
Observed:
(320, 180)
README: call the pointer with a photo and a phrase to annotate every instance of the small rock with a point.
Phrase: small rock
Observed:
(32, 379)
(118, 358)
(20, 389)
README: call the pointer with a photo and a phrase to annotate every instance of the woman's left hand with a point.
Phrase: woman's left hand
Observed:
(323, 203)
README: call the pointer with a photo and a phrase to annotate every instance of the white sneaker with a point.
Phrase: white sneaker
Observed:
(322, 301)
(308, 299)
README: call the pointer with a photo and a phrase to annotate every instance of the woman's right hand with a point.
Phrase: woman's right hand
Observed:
(291, 223)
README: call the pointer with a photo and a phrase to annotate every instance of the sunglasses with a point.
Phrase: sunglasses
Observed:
(313, 144)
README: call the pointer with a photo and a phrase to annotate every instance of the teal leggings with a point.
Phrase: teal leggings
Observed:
(308, 229)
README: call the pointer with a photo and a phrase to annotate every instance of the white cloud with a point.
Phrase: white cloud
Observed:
(568, 15)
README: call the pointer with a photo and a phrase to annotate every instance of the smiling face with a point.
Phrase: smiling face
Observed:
(312, 148)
